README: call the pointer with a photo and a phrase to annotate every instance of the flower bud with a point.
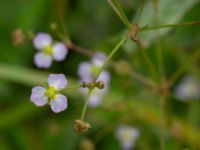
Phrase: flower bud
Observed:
(18, 37)
(100, 84)
(53, 26)
(89, 85)
(81, 126)
(84, 84)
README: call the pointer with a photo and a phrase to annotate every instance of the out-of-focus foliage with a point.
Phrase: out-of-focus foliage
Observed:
(94, 25)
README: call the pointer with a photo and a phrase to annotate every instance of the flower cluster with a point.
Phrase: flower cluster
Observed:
(127, 136)
(48, 50)
(189, 88)
(87, 71)
(50, 94)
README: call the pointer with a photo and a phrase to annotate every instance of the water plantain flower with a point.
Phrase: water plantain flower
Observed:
(48, 50)
(50, 95)
(127, 136)
(87, 71)
(188, 88)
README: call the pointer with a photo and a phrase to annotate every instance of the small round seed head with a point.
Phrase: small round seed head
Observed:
(81, 126)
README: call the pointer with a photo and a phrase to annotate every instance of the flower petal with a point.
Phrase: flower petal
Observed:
(41, 40)
(95, 97)
(58, 81)
(59, 51)
(99, 59)
(59, 104)
(84, 71)
(189, 88)
(95, 100)
(42, 60)
(38, 97)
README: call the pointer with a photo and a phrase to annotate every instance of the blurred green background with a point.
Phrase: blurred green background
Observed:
(94, 25)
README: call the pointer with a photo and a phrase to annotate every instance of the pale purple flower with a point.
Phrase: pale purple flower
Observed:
(127, 136)
(50, 95)
(48, 50)
(188, 88)
(87, 71)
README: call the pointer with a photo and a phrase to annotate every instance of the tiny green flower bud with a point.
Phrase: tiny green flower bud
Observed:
(81, 126)
(53, 26)
(91, 85)
(84, 84)
(100, 84)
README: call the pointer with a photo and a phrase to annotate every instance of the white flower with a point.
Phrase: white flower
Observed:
(87, 71)
(41, 95)
(127, 136)
(189, 88)
(48, 51)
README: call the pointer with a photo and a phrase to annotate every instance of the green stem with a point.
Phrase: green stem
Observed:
(115, 49)
(138, 17)
(60, 12)
(119, 11)
(146, 28)
(181, 70)
(163, 110)
(148, 62)
(86, 103)
(159, 54)
(74, 87)
(102, 68)
(161, 70)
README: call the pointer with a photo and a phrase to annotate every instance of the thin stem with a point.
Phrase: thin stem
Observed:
(119, 11)
(181, 70)
(159, 54)
(160, 62)
(139, 16)
(81, 50)
(60, 11)
(146, 28)
(73, 87)
(163, 110)
(145, 81)
(115, 49)
(86, 103)
(148, 62)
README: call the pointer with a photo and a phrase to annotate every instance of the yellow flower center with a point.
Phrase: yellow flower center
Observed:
(48, 50)
(95, 70)
(126, 136)
(51, 92)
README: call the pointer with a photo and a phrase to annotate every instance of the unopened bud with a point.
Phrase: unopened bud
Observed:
(84, 84)
(100, 85)
(18, 37)
(53, 26)
(89, 85)
(81, 126)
